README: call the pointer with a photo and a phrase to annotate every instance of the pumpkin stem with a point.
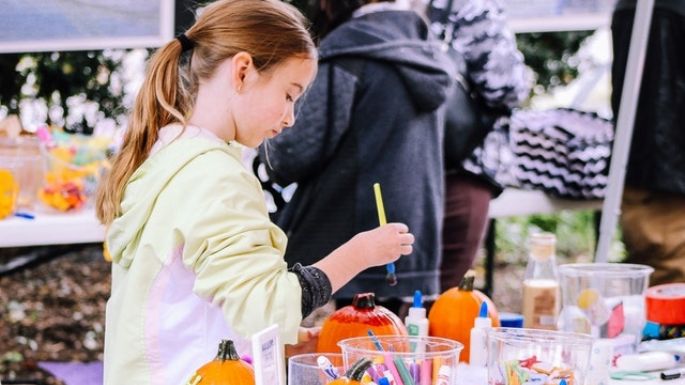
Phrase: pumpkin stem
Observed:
(466, 283)
(356, 371)
(227, 351)
(364, 301)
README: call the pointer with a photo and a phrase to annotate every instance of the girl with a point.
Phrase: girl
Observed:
(195, 257)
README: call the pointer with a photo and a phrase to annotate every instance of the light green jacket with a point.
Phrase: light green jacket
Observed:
(195, 259)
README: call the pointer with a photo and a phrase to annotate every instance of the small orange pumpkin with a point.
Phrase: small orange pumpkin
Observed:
(453, 314)
(355, 321)
(354, 374)
(225, 369)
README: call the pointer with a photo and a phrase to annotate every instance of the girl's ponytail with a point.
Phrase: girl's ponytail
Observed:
(162, 99)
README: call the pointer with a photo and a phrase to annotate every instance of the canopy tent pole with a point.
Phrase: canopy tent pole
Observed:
(624, 127)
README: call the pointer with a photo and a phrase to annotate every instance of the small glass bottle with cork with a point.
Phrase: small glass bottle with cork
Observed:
(541, 293)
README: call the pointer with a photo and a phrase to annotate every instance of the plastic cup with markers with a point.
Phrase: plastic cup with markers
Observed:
(403, 359)
(315, 368)
(535, 357)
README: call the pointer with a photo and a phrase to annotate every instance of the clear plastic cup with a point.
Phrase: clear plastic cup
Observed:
(420, 358)
(25, 159)
(303, 369)
(605, 300)
(521, 356)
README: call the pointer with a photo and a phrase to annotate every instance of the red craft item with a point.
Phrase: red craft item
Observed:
(666, 304)
(355, 321)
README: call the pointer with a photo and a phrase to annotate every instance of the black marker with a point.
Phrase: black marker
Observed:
(673, 374)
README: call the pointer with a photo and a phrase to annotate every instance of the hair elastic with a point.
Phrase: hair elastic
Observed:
(186, 43)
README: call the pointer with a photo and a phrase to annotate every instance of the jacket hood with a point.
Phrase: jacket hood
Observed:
(143, 188)
(403, 39)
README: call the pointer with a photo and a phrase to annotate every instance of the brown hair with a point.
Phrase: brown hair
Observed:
(271, 31)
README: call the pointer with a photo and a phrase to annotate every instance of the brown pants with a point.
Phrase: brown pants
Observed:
(467, 200)
(653, 226)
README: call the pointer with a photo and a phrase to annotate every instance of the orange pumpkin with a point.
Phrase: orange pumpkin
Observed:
(355, 321)
(225, 369)
(453, 313)
(354, 375)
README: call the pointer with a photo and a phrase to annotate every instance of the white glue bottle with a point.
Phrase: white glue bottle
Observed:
(478, 353)
(416, 321)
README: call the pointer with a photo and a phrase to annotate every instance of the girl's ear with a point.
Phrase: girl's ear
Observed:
(242, 65)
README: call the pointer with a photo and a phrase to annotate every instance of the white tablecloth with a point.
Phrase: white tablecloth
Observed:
(478, 376)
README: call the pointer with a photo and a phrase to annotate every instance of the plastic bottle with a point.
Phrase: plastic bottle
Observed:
(541, 284)
(416, 321)
(478, 349)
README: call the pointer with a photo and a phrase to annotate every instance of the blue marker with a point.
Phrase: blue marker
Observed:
(375, 340)
(24, 215)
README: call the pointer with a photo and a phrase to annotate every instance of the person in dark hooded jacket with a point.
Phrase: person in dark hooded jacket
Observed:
(373, 114)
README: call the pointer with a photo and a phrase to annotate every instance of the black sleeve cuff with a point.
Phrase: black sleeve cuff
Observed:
(316, 288)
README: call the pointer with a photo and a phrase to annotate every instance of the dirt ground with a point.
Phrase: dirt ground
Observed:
(54, 311)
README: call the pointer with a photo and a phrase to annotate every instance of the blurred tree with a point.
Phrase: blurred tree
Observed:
(548, 55)
(55, 76)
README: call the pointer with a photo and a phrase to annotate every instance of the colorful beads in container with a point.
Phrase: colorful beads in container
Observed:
(9, 189)
(225, 369)
(355, 321)
(531, 371)
(453, 314)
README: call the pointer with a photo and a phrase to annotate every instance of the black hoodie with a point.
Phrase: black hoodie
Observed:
(373, 114)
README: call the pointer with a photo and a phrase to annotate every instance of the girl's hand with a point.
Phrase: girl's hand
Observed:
(375, 247)
(384, 244)
(307, 338)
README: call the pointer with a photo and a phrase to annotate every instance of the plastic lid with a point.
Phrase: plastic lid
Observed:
(483, 321)
(418, 299)
(511, 320)
(483, 310)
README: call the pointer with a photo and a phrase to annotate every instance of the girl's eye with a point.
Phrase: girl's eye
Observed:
(288, 98)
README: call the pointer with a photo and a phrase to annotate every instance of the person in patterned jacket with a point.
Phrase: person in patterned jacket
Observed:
(476, 29)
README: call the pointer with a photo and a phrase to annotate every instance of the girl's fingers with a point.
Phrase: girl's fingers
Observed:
(407, 239)
(401, 227)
